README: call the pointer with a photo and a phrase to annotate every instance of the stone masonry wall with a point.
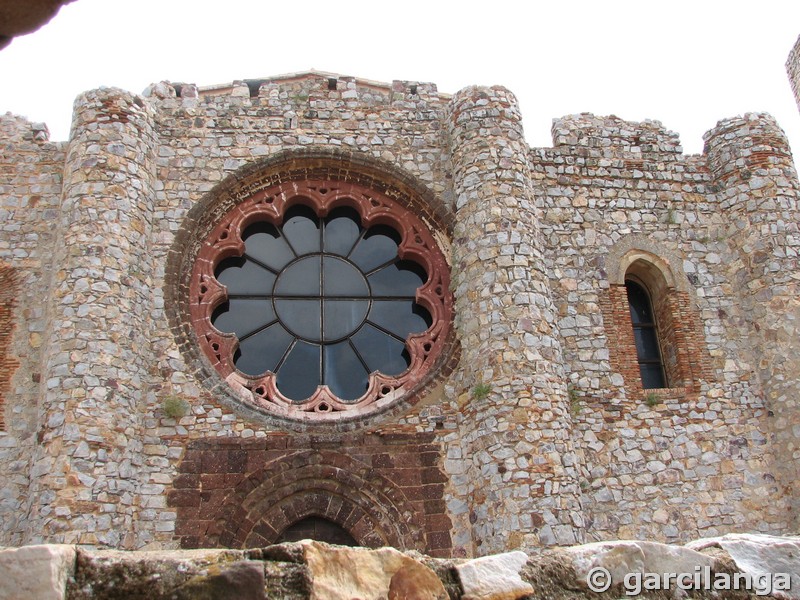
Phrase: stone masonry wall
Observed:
(757, 186)
(681, 461)
(516, 423)
(793, 69)
(30, 186)
(208, 136)
(536, 433)
(97, 363)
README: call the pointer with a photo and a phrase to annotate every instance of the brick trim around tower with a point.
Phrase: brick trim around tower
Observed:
(8, 364)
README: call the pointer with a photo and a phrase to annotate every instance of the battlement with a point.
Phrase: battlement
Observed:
(304, 86)
(591, 131)
(17, 128)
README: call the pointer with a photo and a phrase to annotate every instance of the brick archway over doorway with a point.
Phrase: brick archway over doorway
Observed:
(245, 494)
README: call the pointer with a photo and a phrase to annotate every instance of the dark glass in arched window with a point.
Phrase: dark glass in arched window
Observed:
(645, 333)
(319, 529)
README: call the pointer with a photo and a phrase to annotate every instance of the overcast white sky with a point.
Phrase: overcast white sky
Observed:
(685, 63)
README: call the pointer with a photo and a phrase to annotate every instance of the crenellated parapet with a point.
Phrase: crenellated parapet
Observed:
(18, 129)
(611, 135)
(309, 96)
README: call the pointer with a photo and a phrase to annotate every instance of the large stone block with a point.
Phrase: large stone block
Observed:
(39, 572)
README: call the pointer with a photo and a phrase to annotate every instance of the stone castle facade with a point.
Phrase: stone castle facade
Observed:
(133, 296)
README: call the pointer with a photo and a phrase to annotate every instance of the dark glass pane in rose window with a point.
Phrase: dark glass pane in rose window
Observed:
(300, 278)
(378, 247)
(341, 231)
(341, 278)
(301, 317)
(261, 352)
(399, 279)
(301, 229)
(243, 315)
(343, 317)
(299, 375)
(401, 317)
(344, 374)
(264, 243)
(243, 277)
(380, 351)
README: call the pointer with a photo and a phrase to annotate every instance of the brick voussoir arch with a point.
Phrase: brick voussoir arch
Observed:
(369, 506)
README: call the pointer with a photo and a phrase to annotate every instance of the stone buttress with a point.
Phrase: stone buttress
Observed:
(84, 484)
(757, 186)
(516, 422)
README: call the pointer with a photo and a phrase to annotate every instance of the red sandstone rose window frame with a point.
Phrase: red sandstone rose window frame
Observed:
(375, 209)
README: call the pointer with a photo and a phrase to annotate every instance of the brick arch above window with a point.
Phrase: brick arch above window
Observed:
(684, 356)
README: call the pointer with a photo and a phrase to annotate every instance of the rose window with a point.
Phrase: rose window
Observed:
(320, 298)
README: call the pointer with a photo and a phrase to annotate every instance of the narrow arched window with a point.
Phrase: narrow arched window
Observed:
(645, 333)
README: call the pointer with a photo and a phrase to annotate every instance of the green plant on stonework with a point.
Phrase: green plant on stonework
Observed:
(574, 400)
(671, 216)
(480, 391)
(651, 399)
(175, 407)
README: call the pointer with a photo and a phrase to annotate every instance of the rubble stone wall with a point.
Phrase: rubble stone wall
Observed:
(793, 69)
(31, 170)
(757, 185)
(535, 430)
(522, 484)
(694, 457)
(97, 360)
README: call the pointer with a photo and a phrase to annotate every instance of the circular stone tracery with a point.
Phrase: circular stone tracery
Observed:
(321, 298)
(334, 322)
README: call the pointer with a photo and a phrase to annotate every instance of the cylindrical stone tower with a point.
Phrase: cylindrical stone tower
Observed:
(84, 478)
(517, 427)
(757, 186)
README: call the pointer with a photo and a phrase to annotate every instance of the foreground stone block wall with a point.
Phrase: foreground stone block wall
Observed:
(736, 566)
(533, 427)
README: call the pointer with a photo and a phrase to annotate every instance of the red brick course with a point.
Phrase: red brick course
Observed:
(8, 364)
(382, 490)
